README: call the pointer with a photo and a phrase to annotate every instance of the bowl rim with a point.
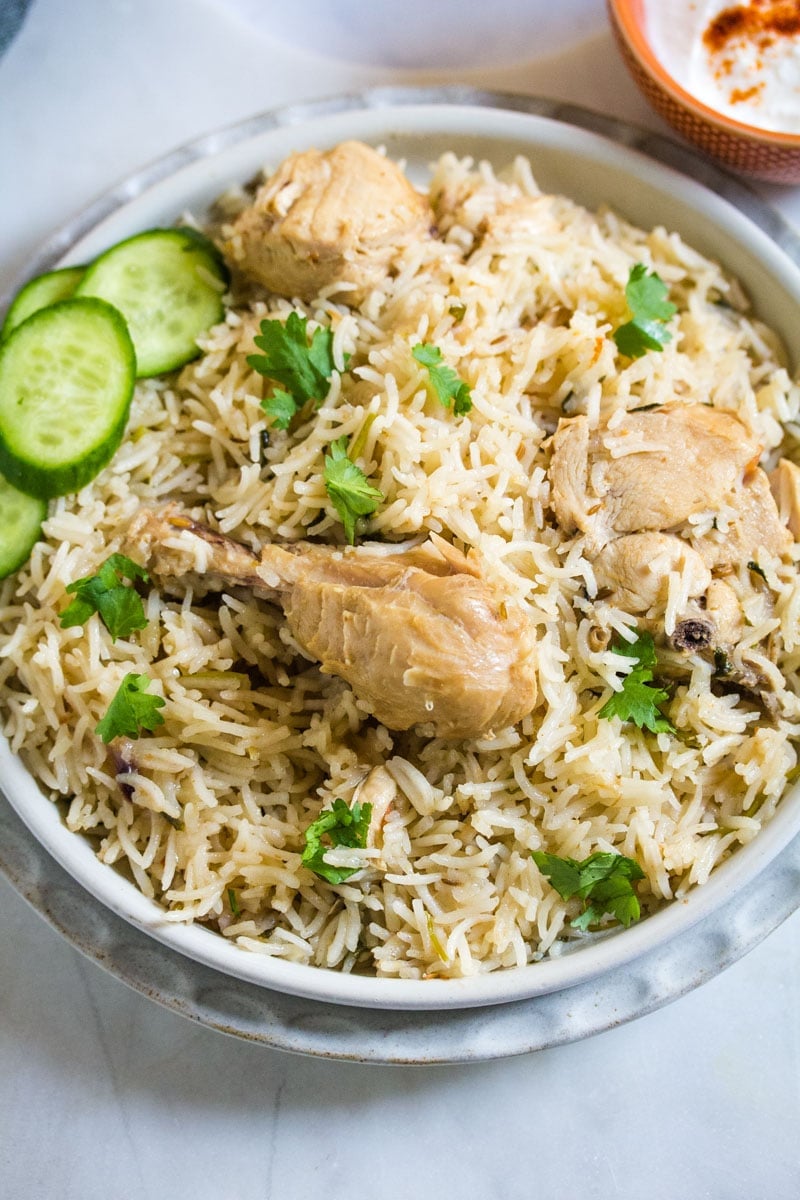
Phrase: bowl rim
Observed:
(614, 143)
(628, 17)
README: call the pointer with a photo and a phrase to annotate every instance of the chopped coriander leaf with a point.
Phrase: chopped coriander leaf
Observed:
(233, 901)
(303, 368)
(646, 295)
(638, 702)
(131, 710)
(458, 311)
(120, 607)
(340, 826)
(281, 406)
(642, 648)
(639, 698)
(602, 879)
(445, 382)
(350, 492)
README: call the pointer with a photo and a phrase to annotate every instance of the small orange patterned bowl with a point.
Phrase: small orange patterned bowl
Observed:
(655, 56)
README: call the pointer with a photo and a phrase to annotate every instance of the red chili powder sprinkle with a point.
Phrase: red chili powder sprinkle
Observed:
(760, 21)
(738, 95)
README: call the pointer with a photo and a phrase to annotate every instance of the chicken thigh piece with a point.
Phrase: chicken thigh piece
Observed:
(333, 218)
(652, 471)
(419, 634)
(756, 529)
(630, 490)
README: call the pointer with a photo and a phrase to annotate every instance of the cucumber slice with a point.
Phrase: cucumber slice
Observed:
(39, 292)
(66, 380)
(21, 519)
(168, 285)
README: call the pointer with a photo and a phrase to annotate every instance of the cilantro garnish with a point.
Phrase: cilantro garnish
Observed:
(281, 407)
(120, 607)
(638, 700)
(131, 710)
(646, 294)
(351, 494)
(341, 826)
(303, 368)
(603, 879)
(445, 382)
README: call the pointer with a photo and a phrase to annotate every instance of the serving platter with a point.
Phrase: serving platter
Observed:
(283, 1022)
(595, 160)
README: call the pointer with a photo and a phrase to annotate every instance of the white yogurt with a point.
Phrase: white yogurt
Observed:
(760, 87)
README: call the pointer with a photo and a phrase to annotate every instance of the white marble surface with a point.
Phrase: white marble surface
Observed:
(105, 1095)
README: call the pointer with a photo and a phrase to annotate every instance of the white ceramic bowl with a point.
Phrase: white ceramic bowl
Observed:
(567, 157)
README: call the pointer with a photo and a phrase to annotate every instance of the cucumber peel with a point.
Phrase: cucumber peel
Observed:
(21, 518)
(67, 375)
(39, 292)
(168, 284)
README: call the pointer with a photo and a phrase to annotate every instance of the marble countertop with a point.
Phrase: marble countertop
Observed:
(104, 1094)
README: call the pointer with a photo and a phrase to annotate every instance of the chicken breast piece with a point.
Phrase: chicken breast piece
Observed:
(337, 217)
(652, 472)
(421, 635)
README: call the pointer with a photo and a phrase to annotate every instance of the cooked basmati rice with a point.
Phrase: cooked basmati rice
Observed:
(207, 814)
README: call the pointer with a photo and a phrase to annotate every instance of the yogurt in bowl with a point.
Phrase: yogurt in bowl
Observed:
(742, 60)
(727, 77)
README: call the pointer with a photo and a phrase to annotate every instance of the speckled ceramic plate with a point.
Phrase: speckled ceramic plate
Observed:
(595, 160)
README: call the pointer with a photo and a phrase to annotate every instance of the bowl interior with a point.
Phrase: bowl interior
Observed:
(418, 128)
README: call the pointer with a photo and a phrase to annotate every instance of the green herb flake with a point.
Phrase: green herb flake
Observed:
(303, 368)
(281, 407)
(753, 808)
(458, 311)
(646, 295)
(119, 606)
(602, 881)
(438, 948)
(339, 826)
(447, 385)
(757, 570)
(360, 440)
(722, 664)
(350, 492)
(638, 700)
(233, 903)
(131, 710)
